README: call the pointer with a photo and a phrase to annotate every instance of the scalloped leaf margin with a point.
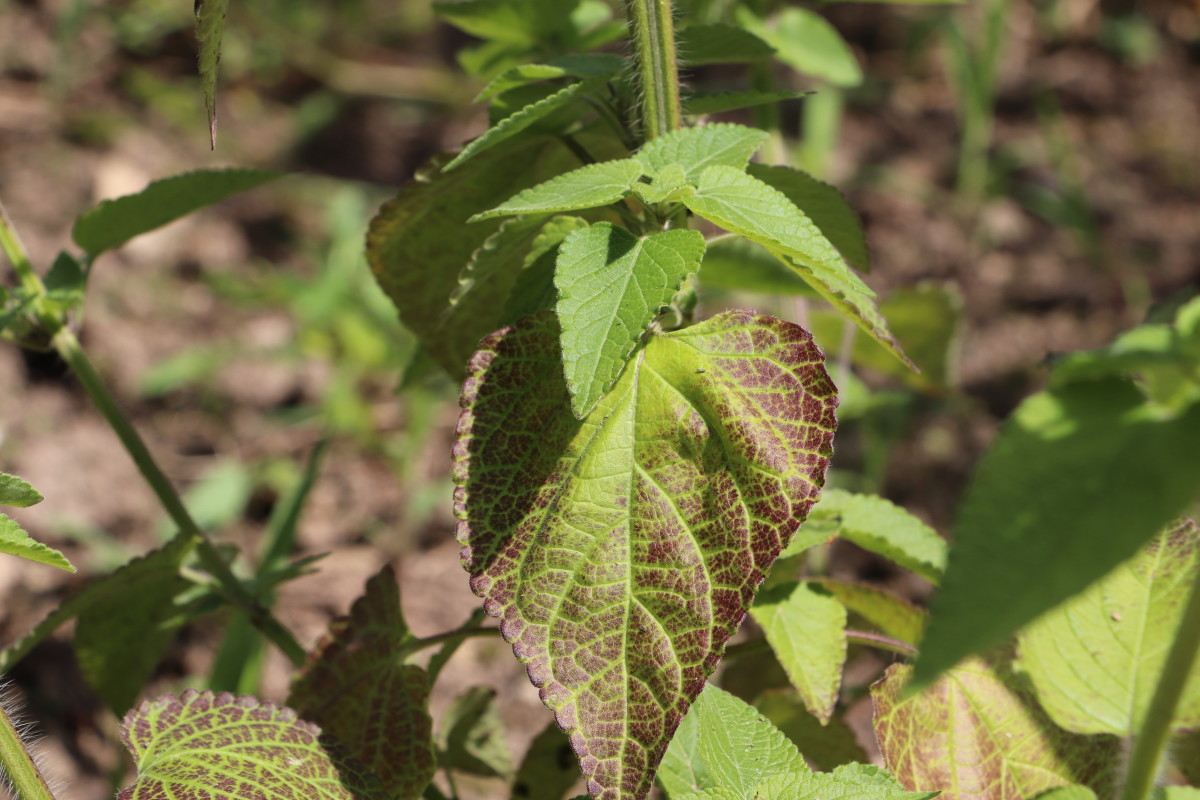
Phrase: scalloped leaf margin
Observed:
(622, 550)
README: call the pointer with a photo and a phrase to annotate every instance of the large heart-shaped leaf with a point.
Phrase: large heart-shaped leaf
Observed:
(622, 550)
(205, 746)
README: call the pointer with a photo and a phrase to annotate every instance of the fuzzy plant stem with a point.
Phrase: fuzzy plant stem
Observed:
(67, 346)
(17, 764)
(653, 38)
(1151, 740)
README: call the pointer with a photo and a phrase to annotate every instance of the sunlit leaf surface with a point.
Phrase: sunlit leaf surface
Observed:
(205, 746)
(622, 551)
(611, 284)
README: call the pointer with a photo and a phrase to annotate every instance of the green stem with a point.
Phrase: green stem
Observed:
(456, 635)
(654, 41)
(18, 765)
(67, 345)
(11, 244)
(1151, 740)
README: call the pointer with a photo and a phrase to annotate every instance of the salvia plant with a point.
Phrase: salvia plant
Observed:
(632, 479)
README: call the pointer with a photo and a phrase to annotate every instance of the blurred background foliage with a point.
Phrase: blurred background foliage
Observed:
(1027, 172)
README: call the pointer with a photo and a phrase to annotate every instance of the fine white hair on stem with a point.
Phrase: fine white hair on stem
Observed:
(24, 727)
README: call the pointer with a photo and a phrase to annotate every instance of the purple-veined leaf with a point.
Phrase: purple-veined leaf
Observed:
(622, 550)
(357, 690)
(979, 734)
(206, 746)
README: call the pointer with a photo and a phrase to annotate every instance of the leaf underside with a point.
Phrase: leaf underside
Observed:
(1075, 465)
(976, 734)
(1097, 659)
(622, 551)
(205, 746)
(354, 688)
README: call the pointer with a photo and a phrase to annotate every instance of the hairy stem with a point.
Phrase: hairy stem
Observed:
(17, 764)
(1151, 740)
(68, 347)
(654, 41)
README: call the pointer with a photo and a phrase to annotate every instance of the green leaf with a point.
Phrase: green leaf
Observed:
(890, 614)
(807, 630)
(16, 492)
(354, 687)
(805, 41)
(726, 744)
(65, 282)
(695, 149)
(847, 782)
(114, 222)
(826, 745)
(210, 24)
(1175, 793)
(205, 746)
(825, 206)
(736, 264)
(878, 525)
(1160, 356)
(419, 242)
(700, 103)
(534, 290)
(1078, 479)
(978, 734)
(548, 770)
(1072, 792)
(748, 207)
(811, 534)
(587, 187)
(669, 184)
(127, 620)
(494, 269)
(622, 551)
(15, 541)
(721, 44)
(925, 318)
(515, 21)
(584, 65)
(472, 735)
(611, 285)
(1097, 659)
(519, 121)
